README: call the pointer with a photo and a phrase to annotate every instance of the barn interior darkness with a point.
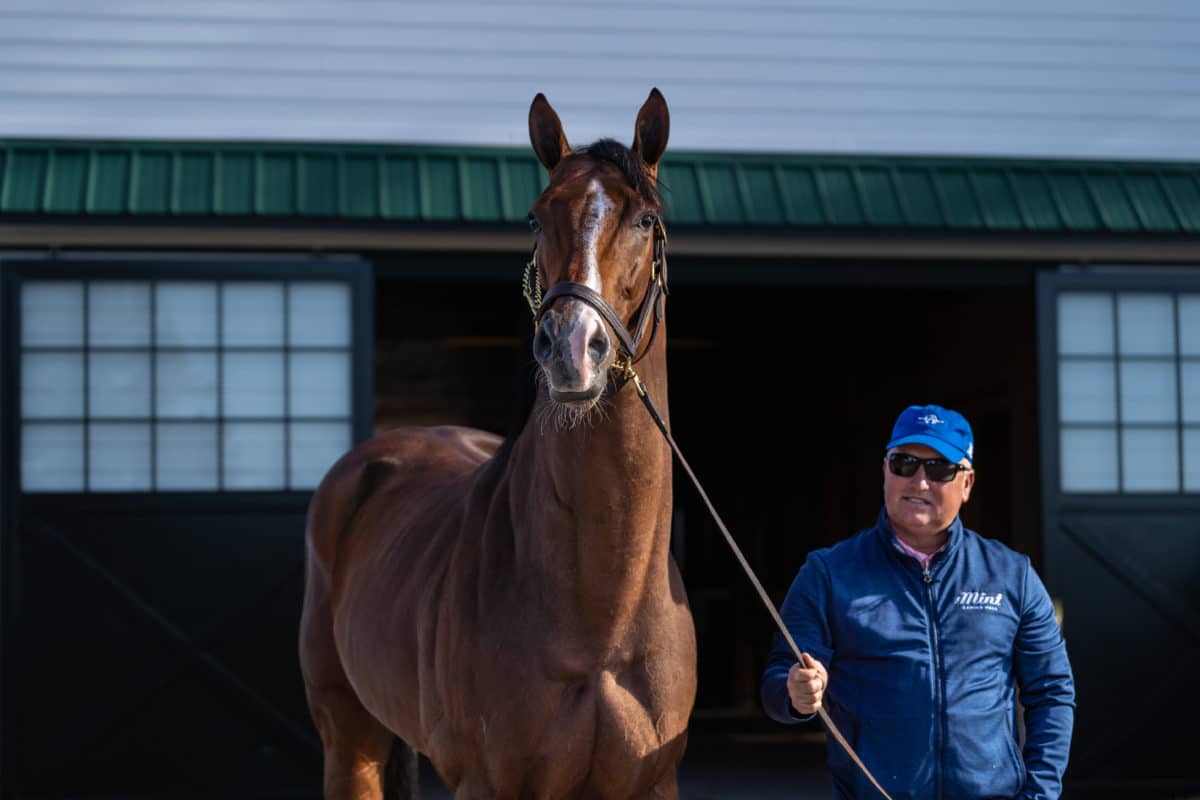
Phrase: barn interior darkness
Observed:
(781, 396)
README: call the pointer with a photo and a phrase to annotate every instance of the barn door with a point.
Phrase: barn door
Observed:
(166, 426)
(1120, 411)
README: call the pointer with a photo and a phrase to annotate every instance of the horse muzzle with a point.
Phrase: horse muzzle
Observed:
(574, 350)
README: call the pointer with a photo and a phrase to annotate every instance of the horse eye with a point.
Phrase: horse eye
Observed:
(646, 222)
(534, 225)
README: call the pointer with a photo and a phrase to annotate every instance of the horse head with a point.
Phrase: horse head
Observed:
(598, 252)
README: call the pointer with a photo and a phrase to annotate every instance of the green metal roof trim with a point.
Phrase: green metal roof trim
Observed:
(497, 185)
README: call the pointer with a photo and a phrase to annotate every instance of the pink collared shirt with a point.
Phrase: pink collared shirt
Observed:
(922, 558)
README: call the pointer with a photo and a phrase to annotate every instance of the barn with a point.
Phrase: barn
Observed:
(238, 236)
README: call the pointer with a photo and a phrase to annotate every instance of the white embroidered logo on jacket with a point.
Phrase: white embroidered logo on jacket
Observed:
(980, 601)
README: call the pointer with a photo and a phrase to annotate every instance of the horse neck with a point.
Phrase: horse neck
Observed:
(591, 506)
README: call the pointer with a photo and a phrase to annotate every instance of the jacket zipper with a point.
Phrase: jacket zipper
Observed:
(937, 671)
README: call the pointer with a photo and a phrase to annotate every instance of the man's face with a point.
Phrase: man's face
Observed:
(917, 506)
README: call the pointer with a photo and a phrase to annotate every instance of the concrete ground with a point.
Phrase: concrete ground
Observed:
(755, 762)
(733, 761)
(760, 760)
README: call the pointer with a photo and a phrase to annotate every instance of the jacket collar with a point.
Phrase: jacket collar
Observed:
(887, 537)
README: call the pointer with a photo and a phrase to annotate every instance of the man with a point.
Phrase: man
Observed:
(917, 632)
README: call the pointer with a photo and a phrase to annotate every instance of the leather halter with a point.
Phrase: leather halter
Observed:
(651, 307)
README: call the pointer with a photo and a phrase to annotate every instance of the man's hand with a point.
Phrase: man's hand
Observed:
(806, 682)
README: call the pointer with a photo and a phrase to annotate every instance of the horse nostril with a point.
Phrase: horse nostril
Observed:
(543, 343)
(599, 345)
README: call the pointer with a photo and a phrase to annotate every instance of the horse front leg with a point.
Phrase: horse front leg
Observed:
(357, 746)
(357, 752)
(666, 789)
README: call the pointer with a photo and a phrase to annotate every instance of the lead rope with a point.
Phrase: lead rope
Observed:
(737, 551)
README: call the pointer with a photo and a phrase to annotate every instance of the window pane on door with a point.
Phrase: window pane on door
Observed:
(186, 456)
(119, 385)
(1191, 459)
(186, 384)
(52, 385)
(118, 457)
(1146, 324)
(1089, 459)
(1085, 324)
(252, 314)
(1189, 324)
(252, 384)
(52, 314)
(315, 446)
(118, 314)
(319, 384)
(1087, 391)
(319, 315)
(254, 455)
(52, 457)
(1189, 373)
(185, 314)
(1150, 460)
(1148, 391)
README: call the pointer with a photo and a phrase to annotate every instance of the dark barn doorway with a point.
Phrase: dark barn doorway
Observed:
(785, 399)
(782, 397)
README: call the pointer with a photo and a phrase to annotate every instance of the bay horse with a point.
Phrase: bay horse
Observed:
(511, 609)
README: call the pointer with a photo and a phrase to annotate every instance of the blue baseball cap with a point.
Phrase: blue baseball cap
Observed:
(942, 429)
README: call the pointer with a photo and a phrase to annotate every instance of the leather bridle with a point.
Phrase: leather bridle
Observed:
(650, 310)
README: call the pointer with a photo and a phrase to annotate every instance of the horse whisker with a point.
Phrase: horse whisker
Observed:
(568, 418)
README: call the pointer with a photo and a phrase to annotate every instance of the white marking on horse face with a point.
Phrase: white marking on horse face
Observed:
(578, 323)
(598, 207)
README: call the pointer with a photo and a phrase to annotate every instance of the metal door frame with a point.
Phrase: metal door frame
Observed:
(1055, 502)
(1049, 284)
(20, 267)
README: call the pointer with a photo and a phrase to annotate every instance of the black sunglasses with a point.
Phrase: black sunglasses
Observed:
(936, 469)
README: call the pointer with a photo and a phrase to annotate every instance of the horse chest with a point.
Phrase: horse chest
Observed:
(597, 736)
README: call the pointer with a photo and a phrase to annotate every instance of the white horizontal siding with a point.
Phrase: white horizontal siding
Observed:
(1070, 78)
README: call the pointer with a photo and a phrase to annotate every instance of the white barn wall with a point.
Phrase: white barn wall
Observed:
(1057, 78)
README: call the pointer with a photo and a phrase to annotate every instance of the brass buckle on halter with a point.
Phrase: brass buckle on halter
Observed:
(660, 232)
(533, 293)
(623, 366)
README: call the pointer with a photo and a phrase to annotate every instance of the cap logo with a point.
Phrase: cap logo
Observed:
(931, 419)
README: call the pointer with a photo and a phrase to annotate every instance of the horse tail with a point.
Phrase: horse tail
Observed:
(401, 776)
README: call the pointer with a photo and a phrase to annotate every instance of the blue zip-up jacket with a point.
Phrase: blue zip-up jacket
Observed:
(923, 665)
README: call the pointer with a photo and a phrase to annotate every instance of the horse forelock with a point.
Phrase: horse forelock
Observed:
(587, 185)
(629, 162)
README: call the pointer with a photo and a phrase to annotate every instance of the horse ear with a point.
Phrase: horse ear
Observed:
(546, 133)
(652, 129)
